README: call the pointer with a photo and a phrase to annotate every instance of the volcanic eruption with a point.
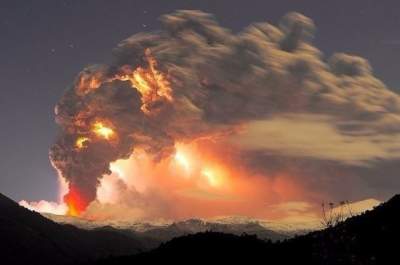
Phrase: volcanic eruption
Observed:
(181, 119)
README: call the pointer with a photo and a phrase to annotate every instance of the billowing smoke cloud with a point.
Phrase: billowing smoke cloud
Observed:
(196, 79)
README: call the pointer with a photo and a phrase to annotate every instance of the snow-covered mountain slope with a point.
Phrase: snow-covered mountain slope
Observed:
(265, 229)
(166, 230)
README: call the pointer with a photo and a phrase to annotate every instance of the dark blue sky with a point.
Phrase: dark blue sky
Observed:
(45, 43)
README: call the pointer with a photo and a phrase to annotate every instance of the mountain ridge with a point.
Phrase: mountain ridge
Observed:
(164, 231)
(367, 239)
(30, 238)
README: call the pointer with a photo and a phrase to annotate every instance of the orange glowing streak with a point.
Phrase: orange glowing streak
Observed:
(141, 80)
(75, 202)
(149, 82)
(94, 83)
(87, 83)
(80, 142)
(103, 131)
(158, 79)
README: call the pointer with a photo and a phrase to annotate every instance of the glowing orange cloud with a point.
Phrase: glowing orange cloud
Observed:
(199, 180)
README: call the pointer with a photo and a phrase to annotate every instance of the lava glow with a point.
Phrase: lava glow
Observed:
(100, 129)
(75, 201)
(81, 142)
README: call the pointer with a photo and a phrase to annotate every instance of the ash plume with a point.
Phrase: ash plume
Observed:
(203, 80)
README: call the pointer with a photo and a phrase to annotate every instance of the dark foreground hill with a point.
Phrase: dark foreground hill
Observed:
(27, 237)
(371, 238)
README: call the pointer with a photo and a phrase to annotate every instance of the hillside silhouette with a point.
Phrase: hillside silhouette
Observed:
(371, 238)
(26, 237)
(29, 238)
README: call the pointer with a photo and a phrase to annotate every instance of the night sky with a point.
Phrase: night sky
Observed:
(45, 43)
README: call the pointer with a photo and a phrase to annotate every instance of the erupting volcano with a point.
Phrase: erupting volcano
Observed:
(150, 85)
(196, 121)
(192, 140)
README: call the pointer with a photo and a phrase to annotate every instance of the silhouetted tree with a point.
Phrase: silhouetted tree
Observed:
(334, 214)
